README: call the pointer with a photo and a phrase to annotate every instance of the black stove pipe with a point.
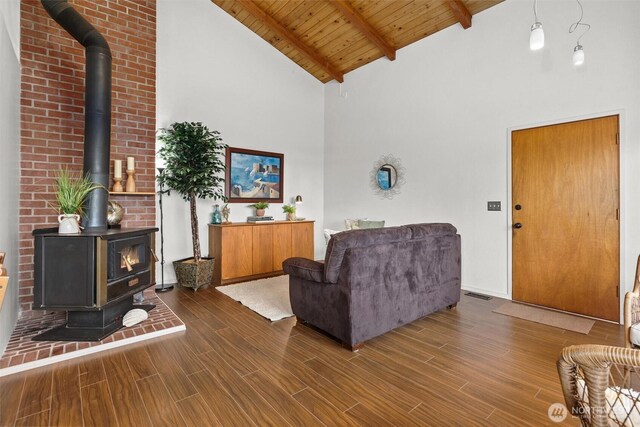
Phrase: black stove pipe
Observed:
(97, 106)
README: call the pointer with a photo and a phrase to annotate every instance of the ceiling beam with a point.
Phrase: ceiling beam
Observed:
(291, 38)
(461, 13)
(365, 28)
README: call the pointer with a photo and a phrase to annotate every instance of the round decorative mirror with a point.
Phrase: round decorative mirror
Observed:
(387, 176)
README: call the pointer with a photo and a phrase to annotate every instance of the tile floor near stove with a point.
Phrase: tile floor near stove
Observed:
(23, 353)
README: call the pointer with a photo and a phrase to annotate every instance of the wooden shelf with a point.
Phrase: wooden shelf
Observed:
(137, 193)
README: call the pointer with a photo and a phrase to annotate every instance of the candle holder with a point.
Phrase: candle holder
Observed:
(131, 182)
(117, 185)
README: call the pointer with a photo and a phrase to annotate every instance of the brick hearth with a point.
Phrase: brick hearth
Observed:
(22, 353)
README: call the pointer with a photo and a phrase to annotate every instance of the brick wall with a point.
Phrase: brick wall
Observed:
(52, 111)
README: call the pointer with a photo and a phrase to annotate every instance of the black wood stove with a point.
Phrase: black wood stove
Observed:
(92, 276)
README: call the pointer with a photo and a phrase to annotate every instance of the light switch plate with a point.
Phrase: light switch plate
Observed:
(494, 206)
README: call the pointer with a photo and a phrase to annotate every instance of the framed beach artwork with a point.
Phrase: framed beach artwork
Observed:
(254, 176)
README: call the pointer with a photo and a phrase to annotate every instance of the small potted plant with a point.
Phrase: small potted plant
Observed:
(260, 207)
(194, 168)
(290, 211)
(72, 190)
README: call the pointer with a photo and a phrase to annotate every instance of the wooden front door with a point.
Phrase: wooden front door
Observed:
(566, 243)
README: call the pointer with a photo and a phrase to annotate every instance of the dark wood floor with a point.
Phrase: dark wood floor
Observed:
(467, 367)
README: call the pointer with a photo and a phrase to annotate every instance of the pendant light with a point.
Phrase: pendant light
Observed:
(578, 55)
(578, 51)
(536, 38)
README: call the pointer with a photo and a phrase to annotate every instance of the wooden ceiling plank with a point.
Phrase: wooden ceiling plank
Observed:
(258, 27)
(276, 27)
(272, 7)
(289, 8)
(245, 18)
(305, 29)
(361, 24)
(417, 30)
(415, 20)
(411, 12)
(461, 13)
(262, 30)
(307, 12)
(344, 54)
(478, 6)
(371, 9)
(310, 26)
(349, 53)
(386, 20)
(333, 22)
(340, 35)
(347, 47)
(226, 5)
(330, 22)
(362, 54)
(378, 14)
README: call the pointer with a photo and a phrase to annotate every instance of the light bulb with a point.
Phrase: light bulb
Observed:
(578, 55)
(536, 39)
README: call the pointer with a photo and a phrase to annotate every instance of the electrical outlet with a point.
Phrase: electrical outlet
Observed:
(494, 206)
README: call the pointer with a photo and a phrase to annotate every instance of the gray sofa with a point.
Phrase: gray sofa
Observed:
(373, 281)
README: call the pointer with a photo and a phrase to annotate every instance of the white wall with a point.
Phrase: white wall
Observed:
(213, 69)
(9, 158)
(444, 108)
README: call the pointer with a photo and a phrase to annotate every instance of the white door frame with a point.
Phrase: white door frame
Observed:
(622, 194)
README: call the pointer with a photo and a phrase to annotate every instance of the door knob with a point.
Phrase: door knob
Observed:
(517, 225)
(518, 207)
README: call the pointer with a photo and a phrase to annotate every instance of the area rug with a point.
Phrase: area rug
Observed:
(546, 317)
(267, 297)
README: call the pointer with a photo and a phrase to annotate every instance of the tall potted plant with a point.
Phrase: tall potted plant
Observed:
(194, 167)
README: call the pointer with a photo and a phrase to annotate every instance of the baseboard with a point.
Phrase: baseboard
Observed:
(486, 292)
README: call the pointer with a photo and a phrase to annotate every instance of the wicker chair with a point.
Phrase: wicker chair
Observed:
(598, 384)
(632, 310)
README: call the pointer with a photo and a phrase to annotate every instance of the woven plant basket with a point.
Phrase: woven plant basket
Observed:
(192, 275)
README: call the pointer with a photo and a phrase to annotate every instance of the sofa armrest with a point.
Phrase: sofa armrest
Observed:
(304, 268)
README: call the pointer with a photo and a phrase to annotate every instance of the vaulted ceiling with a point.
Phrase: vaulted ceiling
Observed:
(329, 38)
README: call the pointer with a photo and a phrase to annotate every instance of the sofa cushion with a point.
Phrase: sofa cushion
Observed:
(349, 223)
(328, 233)
(341, 242)
(421, 231)
(367, 223)
(622, 403)
(634, 334)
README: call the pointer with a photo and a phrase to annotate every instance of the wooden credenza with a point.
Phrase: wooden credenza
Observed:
(247, 251)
